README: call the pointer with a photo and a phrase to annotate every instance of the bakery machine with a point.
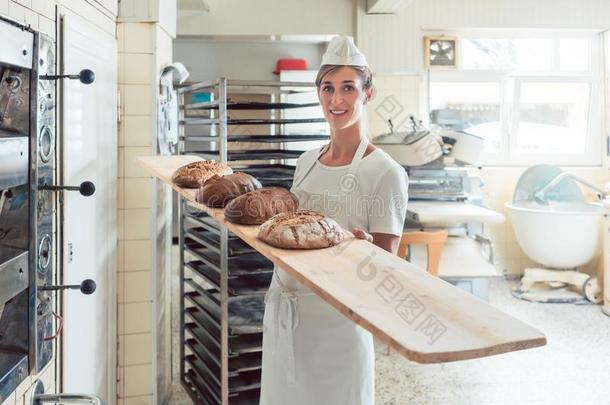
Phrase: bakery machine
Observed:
(251, 126)
(28, 201)
(445, 194)
(448, 196)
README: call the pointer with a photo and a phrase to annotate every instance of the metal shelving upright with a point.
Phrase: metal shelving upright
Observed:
(222, 279)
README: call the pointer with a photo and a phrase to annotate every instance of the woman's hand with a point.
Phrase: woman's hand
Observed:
(361, 234)
(383, 240)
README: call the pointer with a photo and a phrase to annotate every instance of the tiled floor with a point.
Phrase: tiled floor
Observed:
(574, 368)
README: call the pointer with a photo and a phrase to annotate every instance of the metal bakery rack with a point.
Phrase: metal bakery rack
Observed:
(222, 279)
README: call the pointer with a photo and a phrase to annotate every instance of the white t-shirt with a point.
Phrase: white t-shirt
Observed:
(378, 202)
(377, 205)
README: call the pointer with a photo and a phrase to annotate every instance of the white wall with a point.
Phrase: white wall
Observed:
(160, 11)
(393, 44)
(268, 17)
(207, 59)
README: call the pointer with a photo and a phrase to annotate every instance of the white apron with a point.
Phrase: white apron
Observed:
(312, 354)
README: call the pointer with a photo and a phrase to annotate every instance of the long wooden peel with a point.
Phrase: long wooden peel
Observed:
(420, 316)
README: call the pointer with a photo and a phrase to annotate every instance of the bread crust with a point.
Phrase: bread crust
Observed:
(257, 206)
(219, 190)
(194, 175)
(302, 229)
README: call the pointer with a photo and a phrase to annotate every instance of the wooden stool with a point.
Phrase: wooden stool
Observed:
(434, 242)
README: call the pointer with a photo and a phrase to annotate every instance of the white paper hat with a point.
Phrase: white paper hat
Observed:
(342, 51)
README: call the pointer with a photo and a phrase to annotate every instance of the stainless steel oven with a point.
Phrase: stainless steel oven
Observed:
(27, 133)
(28, 200)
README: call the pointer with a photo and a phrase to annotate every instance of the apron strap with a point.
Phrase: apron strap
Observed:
(358, 155)
(310, 166)
(352, 167)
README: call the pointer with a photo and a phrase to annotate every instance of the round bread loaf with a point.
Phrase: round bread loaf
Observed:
(257, 206)
(219, 190)
(302, 229)
(195, 174)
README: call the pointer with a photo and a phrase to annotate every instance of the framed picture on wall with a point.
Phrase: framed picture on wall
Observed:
(440, 52)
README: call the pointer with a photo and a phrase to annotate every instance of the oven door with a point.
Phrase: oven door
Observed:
(89, 224)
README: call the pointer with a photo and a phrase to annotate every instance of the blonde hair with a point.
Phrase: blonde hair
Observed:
(364, 72)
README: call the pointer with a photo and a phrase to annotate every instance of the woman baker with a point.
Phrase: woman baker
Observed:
(312, 354)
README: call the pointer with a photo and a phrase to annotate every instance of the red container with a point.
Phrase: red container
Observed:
(290, 64)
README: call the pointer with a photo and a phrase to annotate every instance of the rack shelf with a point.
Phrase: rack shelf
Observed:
(247, 121)
(247, 105)
(224, 280)
(261, 138)
(250, 154)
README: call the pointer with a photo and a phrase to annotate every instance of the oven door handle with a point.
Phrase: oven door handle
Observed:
(39, 397)
(86, 76)
(86, 188)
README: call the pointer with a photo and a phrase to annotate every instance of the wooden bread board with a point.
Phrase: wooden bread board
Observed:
(420, 316)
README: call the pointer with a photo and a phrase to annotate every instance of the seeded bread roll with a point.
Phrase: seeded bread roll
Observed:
(302, 229)
(257, 206)
(195, 174)
(219, 190)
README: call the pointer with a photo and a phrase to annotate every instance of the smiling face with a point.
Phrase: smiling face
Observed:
(342, 97)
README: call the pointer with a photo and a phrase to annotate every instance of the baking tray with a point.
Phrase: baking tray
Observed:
(245, 313)
(208, 317)
(203, 219)
(251, 397)
(197, 390)
(238, 344)
(252, 263)
(209, 368)
(249, 154)
(277, 138)
(271, 175)
(248, 105)
(204, 365)
(201, 317)
(195, 219)
(208, 377)
(198, 361)
(211, 240)
(267, 172)
(238, 364)
(258, 138)
(255, 284)
(250, 121)
(246, 388)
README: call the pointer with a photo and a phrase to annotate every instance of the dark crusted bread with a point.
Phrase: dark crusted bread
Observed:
(195, 174)
(257, 206)
(302, 229)
(219, 190)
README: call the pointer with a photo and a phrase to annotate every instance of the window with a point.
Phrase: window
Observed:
(534, 97)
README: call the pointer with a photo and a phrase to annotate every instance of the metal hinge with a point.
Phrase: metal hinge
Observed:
(70, 252)
(118, 370)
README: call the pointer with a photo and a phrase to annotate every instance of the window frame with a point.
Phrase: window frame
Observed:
(510, 82)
